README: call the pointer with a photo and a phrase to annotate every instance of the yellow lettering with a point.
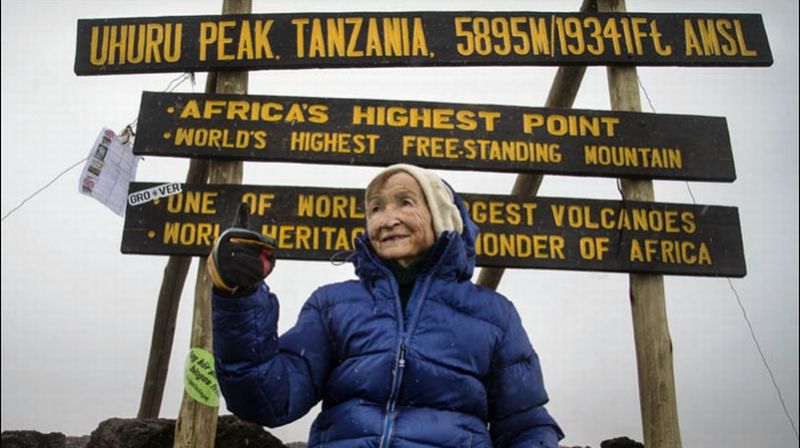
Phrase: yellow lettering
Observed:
(192, 202)
(574, 125)
(245, 50)
(258, 203)
(353, 41)
(300, 25)
(155, 36)
(737, 25)
(393, 36)
(419, 44)
(708, 36)
(95, 57)
(656, 36)
(191, 110)
(336, 37)
(357, 37)
(316, 46)
(670, 252)
(723, 28)
(539, 36)
(692, 43)
(325, 206)
(520, 245)
(263, 46)
(311, 237)
(208, 35)
(374, 47)
(190, 233)
(223, 40)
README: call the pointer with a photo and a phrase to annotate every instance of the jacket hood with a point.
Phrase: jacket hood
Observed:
(457, 249)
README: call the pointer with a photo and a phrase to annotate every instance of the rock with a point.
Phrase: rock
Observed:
(232, 432)
(133, 433)
(32, 439)
(77, 442)
(621, 442)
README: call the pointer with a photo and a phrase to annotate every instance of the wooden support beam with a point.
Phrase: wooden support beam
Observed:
(197, 423)
(657, 399)
(562, 94)
(167, 308)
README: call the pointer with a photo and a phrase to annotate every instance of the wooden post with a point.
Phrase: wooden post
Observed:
(197, 423)
(167, 308)
(562, 94)
(657, 400)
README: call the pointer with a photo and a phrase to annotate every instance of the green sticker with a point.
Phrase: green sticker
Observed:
(199, 378)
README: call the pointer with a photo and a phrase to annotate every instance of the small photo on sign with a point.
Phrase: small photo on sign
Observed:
(95, 167)
(101, 151)
(87, 185)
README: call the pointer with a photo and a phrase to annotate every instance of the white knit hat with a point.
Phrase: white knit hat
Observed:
(444, 212)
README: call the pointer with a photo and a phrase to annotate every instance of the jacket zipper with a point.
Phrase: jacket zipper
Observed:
(391, 405)
(400, 362)
(400, 365)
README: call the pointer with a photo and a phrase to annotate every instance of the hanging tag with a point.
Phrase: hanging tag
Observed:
(110, 167)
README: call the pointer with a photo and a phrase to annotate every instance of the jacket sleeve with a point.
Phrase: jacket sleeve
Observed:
(517, 416)
(266, 379)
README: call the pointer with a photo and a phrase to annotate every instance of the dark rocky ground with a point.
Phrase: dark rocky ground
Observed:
(159, 433)
(145, 433)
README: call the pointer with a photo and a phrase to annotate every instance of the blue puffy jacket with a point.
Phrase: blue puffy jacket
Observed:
(456, 369)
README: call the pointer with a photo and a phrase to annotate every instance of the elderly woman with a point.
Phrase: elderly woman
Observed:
(411, 354)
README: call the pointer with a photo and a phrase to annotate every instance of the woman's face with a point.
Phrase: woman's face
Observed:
(398, 220)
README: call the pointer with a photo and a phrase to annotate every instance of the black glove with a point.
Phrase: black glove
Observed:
(241, 258)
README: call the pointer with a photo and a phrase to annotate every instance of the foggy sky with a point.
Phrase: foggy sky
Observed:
(77, 314)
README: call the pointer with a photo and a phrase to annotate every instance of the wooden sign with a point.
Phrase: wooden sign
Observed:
(394, 39)
(519, 232)
(435, 135)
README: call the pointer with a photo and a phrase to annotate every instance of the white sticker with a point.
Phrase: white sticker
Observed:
(151, 194)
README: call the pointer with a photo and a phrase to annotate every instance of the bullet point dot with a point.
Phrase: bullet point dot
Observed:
(167, 135)
(170, 109)
(151, 234)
